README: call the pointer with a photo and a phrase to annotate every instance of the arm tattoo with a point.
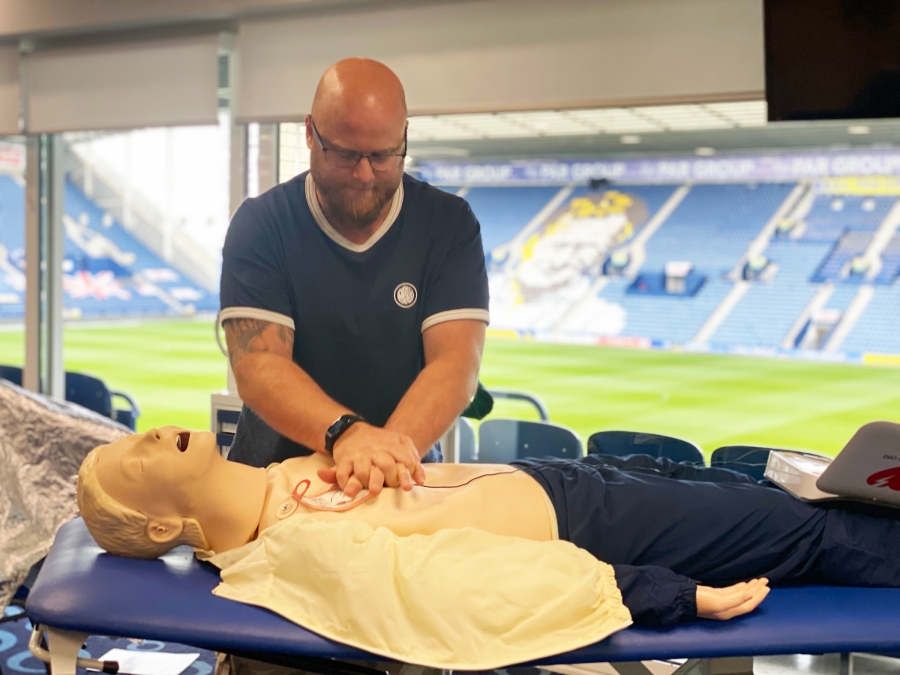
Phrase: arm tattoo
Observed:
(248, 337)
(286, 335)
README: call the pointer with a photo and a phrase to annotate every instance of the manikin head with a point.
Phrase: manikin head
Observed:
(359, 106)
(147, 493)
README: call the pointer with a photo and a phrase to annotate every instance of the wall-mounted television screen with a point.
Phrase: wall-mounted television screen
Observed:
(832, 59)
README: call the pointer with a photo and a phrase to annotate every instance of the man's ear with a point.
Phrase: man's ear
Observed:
(164, 530)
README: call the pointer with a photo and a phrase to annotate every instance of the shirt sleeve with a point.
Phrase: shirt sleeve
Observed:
(656, 596)
(254, 279)
(458, 285)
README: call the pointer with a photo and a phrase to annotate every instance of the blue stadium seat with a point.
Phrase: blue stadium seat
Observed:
(89, 392)
(467, 449)
(501, 441)
(624, 443)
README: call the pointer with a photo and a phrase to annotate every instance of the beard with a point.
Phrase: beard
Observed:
(348, 208)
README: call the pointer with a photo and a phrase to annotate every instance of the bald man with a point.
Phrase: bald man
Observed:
(354, 297)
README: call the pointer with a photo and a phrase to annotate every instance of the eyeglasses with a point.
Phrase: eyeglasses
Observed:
(347, 159)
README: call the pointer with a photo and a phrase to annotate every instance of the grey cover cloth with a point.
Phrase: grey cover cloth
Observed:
(42, 443)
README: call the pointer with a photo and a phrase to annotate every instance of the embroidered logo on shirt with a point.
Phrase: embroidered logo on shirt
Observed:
(405, 295)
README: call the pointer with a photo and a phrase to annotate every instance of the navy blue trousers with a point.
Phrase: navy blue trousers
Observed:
(666, 526)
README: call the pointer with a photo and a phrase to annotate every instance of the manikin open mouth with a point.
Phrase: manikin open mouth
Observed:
(182, 439)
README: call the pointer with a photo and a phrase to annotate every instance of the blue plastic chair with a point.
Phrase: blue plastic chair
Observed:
(624, 443)
(467, 452)
(502, 441)
(88, 392)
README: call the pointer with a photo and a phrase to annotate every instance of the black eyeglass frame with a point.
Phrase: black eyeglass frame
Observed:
(361, 155)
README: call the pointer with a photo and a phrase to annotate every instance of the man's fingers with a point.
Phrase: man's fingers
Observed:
(403, 478)
(388, 467)
(328, 475)
(353, 486)
(342, 472)
(376, 480)
(418, 474)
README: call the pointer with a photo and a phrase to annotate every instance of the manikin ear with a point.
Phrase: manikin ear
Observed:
(164, 530)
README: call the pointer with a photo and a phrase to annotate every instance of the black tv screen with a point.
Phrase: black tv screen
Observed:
(832, 59)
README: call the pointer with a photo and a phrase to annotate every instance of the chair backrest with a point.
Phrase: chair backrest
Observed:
(89, 392)
(501, 441)
(623, 443)
(747, 459)
(11, 373)
(467, 449)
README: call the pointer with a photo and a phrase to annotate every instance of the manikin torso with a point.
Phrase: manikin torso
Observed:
(494, 498)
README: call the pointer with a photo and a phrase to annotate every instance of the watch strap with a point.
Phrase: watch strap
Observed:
(337, 429)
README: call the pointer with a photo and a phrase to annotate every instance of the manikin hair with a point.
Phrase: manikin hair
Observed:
(119, 529)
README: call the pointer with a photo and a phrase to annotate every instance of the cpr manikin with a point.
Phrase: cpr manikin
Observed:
(147, 493)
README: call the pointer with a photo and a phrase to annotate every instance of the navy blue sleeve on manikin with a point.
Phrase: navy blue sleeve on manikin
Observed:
(656, 596)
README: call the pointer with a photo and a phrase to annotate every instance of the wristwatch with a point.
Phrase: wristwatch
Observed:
(336, 430)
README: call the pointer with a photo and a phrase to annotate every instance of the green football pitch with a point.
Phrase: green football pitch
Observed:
(172, 367)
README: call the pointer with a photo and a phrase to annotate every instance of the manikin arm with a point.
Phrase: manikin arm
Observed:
(290, 402)
(656, 596)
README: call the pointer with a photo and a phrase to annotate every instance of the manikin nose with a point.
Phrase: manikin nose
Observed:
(154, 433)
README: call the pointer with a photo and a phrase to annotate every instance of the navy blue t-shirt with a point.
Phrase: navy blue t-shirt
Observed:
(357, 311)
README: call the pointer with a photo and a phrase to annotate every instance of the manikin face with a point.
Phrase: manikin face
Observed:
(158, 473)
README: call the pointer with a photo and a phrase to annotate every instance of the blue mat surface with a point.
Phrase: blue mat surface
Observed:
(82, 588)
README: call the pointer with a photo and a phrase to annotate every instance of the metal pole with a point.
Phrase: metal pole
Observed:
(31, 375)
(44, 240)
(53, 272)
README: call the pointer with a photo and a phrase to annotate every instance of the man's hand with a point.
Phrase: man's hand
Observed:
(727, 603)
(371, 457)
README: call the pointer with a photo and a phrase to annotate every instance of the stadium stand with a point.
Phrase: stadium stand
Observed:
(503, 211)
(890, 262)
(107, 272)
(553, 271)
(553, 267)
(831, 215)
(768, 310)
(852, 243)
(12, 243)
(878, 329)
(711, 228)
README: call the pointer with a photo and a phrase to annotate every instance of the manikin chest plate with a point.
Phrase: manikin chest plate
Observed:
(332, 499)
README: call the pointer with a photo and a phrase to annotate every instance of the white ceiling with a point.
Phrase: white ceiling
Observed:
(584, 122)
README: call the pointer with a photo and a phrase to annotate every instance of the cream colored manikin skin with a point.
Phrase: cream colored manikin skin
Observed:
(171, 473)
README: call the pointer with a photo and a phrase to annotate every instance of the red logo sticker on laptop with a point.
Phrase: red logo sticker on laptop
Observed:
(889, 478)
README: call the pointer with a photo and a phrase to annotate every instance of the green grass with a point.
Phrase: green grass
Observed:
(172, 367)
(712, 400)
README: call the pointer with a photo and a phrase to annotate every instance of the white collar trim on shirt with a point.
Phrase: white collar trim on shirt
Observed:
(337, 237)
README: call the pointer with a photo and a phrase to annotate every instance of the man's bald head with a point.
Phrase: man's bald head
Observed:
(360, 109)
(355, 95)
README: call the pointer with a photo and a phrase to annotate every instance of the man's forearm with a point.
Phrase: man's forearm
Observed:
(288, 399)
(436, 398)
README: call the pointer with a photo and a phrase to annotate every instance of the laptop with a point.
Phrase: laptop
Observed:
(867, 469)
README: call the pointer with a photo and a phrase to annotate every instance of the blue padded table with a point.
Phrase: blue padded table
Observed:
(85, 591)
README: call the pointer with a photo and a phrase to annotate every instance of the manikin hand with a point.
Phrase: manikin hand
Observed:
(731, 601)
(367, 456)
